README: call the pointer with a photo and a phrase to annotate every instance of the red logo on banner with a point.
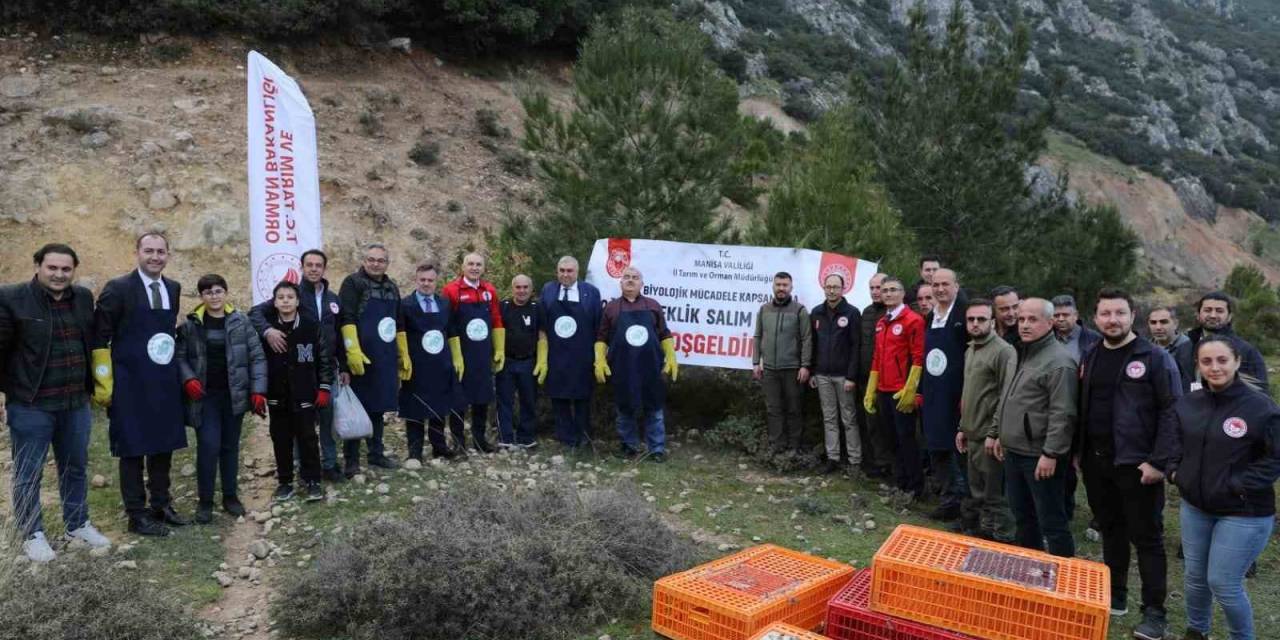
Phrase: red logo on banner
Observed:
(843, 266)
(619, 256)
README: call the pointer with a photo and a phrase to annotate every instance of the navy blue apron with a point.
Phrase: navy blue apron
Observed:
(942, 382)
(378, 387)
(570, 350)
(635, 358)
(146, 400)
(474, 327)
(429, 394)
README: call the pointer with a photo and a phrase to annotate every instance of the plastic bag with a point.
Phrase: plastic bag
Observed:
(350, 422)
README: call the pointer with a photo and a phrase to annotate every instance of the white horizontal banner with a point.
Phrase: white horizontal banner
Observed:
(712, 293)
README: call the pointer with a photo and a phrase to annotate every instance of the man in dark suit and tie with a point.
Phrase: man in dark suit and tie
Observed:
(570, 318)
(136, 378)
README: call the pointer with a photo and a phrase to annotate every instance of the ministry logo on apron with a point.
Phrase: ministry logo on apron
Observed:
(936, 362)
(387, 329)
(566, 326)
(637, 336)
(160, 348)
(433, 342)
(477, 330)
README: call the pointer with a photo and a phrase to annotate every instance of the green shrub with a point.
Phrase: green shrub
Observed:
(425, 153)
(80, 598)
(489, 124)
(476, 563)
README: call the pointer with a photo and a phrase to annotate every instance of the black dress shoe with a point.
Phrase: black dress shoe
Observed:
(233, 506)
(383, 462)
(333, 476)
(145, 525)
(168, 516)
(446, 454)
(484, 447)
(204, 513)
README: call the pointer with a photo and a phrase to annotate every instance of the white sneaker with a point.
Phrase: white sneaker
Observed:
(37, 548)
(89, 535)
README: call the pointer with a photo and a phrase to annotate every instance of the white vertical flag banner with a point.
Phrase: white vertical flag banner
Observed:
(284, 182)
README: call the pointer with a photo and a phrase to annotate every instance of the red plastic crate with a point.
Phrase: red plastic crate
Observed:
(734, 597)
(989, 590)
(790, 630)
(849, 617)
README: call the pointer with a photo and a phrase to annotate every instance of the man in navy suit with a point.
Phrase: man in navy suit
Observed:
(136, 378)
(570, 318)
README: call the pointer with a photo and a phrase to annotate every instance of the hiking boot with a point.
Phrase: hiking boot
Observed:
(483, 446)
(283, 493)
(333, 476)
(315, 492)
(233, 506)
(351, 470)
(37, 548)
(1153, 626)
(1119, 603)
(204, 513)
(830, 466)
(444, 454)
(658, 457)
(1192, 634)
(89, 534)
(145, 525)
(627, 453)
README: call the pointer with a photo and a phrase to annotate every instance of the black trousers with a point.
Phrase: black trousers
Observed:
(133, 490)
(1128, 513)
(877, 441)
(479, 423)
(295, 428)
(418, 433)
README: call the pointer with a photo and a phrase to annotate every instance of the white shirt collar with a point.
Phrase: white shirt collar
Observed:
(147, 280)
(941, 321)
(572, 287)
(893, 313)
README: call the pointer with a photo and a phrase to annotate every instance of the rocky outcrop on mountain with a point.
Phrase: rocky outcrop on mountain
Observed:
(1165, 80)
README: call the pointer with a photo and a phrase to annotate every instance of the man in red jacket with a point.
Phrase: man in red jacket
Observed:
(479, 349)
(895, 375)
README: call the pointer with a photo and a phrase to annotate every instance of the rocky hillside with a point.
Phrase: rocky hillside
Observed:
(1187, 89)
(99, 141)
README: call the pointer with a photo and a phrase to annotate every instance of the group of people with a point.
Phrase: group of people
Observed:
(430, 356)
(1004, 403)
(1010, 402)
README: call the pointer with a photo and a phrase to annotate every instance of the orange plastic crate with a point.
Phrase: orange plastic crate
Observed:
(989, 590)
(790, 630)
(734, 597)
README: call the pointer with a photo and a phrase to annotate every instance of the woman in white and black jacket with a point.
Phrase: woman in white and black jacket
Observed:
(297, 384)
(1226, 466)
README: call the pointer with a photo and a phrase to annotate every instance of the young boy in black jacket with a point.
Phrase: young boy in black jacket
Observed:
(297, 384)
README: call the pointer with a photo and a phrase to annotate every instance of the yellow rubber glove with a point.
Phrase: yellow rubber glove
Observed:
(669, 365)
(869, 398)
(499, 349)
(455, 350)
(103, 377)
(406, 365)
(602, 364)
(540, 363)
(906, 396)
(356, 359)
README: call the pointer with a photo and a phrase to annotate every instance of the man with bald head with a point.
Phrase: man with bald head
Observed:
(635, 348)
(479, 349)
(570, 319)
(1037, 425)
(522, 317)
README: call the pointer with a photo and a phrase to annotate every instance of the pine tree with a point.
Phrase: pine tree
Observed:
(646, 151)
(826, 199)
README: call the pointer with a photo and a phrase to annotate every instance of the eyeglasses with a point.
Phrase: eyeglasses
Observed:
(376, 260)
(978, 319)
(216, 291)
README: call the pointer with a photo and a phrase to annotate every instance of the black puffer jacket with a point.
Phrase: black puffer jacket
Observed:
(1228, 447)
(837, 340)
